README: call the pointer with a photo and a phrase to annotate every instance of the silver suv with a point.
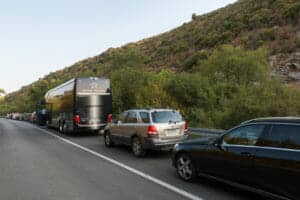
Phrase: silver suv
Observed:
(144, 129)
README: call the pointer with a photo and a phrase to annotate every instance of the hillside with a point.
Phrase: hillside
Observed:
(250, 24)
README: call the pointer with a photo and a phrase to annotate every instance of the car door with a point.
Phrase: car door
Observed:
(117, 128)
(232, 158)
(129, 128)
(143, 123)
(239, 152)
(277, 161)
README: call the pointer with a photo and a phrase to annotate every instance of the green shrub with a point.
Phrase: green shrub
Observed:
(234, 64)
(298, 39)
(293, 12)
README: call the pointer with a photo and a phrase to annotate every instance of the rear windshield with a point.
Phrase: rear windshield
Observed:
(166, 116)
(92, 85)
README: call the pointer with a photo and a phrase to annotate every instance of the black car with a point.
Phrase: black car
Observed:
(260, 155)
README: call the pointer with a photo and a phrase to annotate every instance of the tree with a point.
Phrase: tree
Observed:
(194, 16)
(237, 65)
(2, 91)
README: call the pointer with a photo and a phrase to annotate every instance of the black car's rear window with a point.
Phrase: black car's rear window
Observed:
(283, 136)
(166, 116)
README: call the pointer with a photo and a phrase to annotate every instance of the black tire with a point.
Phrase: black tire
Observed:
(137, 147)
(64, 128)
(60, 127)
(107, 139)
(48, 125)
(186, 168)
(75, 130)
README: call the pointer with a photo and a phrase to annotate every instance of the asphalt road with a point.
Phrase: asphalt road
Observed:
(40, 164)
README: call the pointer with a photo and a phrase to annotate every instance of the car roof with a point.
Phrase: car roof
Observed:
(150, 109)
(294, 120)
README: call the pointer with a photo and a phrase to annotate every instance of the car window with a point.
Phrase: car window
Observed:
(166, 116)
(145, 117)
(131, 117)
(282, 136)
(122, 117)
(246, 135)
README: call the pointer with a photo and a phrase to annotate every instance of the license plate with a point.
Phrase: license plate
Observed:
(173, 132)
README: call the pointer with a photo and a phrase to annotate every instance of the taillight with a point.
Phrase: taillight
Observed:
(186, 128)
(77, 119)
(152, 130)
(109, 118)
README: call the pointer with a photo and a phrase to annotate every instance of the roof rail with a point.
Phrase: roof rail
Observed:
(274, 119)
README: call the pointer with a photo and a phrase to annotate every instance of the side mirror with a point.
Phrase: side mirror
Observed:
(218, 143)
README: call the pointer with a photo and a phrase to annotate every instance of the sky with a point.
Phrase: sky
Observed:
(38, 37)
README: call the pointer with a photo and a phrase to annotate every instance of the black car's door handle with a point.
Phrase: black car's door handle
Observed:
(248, 154)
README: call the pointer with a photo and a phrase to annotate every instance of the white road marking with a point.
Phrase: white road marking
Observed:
(128, 168)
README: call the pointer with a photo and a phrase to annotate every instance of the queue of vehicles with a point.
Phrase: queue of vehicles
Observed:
(260, 155)
(21, 116)
(37, 117)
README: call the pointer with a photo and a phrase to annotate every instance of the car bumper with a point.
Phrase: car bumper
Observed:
(162, 144)
(92, 127)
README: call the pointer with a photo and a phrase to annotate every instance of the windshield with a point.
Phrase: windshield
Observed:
(92, 85)
(166, 116)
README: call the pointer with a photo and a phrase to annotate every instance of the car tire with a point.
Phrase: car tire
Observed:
(62, 128)
(137, 147)
(185, 167)
(48, 125)
(108, 140)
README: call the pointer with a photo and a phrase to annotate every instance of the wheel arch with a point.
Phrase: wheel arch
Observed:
(133, 136)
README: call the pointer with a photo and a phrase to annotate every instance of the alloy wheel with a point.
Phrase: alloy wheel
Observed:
(107, 140)
(185, 168)
(137, 147)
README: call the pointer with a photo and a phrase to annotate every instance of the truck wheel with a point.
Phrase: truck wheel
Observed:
(60, 127)
(64, 128)
(137, 147)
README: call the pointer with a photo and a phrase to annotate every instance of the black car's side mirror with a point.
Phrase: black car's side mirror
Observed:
(218, 143)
